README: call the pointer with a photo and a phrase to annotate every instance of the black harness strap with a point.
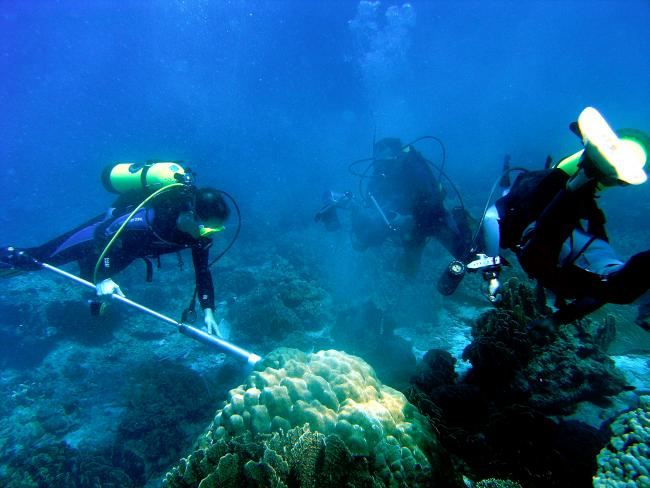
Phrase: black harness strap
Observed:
(149, 266)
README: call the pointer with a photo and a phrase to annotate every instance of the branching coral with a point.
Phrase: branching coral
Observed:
(327, 420)
(625, 462)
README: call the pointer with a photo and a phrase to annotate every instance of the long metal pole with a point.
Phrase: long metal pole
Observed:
(381, 212)
(188, 330)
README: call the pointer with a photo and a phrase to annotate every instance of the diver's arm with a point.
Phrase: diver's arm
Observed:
(204, 285)
(205, 289)
(576, 310)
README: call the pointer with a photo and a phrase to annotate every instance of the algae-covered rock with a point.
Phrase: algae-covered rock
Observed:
(570, 366)
(58, 465)
(277, 303)
(321, 419)
(495, 483)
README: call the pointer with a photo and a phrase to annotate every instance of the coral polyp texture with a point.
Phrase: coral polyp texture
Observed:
(321, 419)
(625, 462)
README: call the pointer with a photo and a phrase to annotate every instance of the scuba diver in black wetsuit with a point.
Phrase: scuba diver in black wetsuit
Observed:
(551, 220)
(159, 211)
(403, 200)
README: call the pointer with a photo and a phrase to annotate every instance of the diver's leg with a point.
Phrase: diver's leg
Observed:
(409, 262)
(453, 232)
(75, 245)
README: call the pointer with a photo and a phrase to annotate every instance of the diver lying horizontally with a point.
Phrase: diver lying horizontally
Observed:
(159, 211)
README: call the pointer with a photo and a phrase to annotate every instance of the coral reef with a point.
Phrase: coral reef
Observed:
(435, 370)
(569, 367)
(516, 384)
(494, 483)
(165, 404)
(60, 466)
(321, 419)
(625, 461)
(281, 302)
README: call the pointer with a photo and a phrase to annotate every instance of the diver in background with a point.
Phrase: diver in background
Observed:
(139, 224)
(403, 201)
(551, 220)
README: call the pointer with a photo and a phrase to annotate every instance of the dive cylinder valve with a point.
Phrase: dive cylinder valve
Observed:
(125, 177)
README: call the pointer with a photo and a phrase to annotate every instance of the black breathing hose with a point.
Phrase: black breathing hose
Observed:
(440, 169)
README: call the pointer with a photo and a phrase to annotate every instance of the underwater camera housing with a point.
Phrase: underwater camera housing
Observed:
(451, 277)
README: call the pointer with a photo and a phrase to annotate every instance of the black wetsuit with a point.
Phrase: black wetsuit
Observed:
(150, 233)
(540, 197)
(405, 185)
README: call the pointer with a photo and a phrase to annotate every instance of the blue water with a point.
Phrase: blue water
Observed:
(260, 95)
(270, 100)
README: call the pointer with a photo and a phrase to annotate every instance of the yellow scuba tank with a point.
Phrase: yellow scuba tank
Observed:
(149, 177)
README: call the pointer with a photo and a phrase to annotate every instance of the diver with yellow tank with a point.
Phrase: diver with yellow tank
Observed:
(551, 220)
(159, 211)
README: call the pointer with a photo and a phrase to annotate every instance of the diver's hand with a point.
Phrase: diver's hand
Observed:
(492, 287)
(108, 287)
(211, 323)
(404, 224)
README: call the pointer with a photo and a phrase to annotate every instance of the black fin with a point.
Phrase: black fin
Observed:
(575, 128)
(549, 162)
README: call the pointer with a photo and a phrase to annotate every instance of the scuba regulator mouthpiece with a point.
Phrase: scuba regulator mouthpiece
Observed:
(185, 178)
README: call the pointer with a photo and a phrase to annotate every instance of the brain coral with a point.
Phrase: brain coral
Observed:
(332, 395)
(626, 461)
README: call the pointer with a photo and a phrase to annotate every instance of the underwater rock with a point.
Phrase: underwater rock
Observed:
(498, 417)
(435, 370)
(570, 367)
(237, 281)
(367, 331)
(59, 466)
(157, 396)
(494, 483)
(329, 422)
(280, 303)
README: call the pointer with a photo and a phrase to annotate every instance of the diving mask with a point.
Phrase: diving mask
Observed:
(209, 231)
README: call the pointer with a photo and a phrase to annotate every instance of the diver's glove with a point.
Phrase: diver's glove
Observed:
(211, 323)
(108, 287)
(18, 259)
